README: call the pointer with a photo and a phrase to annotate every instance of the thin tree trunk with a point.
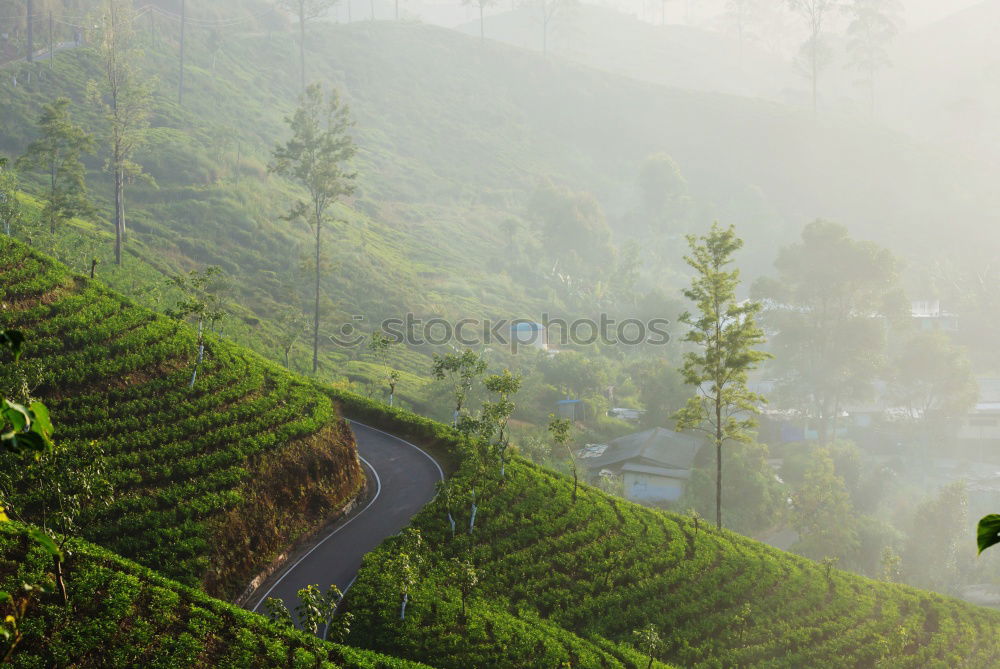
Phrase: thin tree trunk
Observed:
(316, 306)
(52, 196)
(52, 52)
(30, 56)
(718, 461)
(180, 80)
(302, 44)
(373, 9)
(60, 578)
(482, 29)
(118, 216)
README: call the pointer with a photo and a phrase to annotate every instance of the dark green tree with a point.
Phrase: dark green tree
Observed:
(316, 157)
(58, 152)
(725, 335)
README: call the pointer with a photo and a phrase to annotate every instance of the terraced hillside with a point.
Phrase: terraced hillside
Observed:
(209, 483)
(123, 615)
(599, 568)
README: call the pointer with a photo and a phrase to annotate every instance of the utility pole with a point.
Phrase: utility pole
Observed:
(31, 32)
(180, 83)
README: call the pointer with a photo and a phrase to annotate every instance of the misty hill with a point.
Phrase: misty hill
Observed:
(673, 55)
(455, 136)
(210, 482)
(947, 81)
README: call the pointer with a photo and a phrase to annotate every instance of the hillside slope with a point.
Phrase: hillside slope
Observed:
(123, 615)
(210, 482)
(602, 567)
(454, 136)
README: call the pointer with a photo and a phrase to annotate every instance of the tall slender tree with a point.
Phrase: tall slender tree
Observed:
(306, 10)
(317, 157)
(10, 207)
(724, 333)
(874, 23)
(125, 97)
(58, 151)
(815, 53)
(482, 5)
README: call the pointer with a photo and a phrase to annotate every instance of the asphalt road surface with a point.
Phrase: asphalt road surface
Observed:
(404, 478)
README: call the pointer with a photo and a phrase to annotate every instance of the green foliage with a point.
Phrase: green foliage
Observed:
(461, 370)
(826, 306)
(57, 153)
(725, 335)
(123, 614)
(194, 471)
(569, 583)
(988, 531)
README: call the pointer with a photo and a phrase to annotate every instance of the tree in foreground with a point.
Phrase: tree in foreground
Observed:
(202, 301)
(724, 333)
(125, 97)
(58, 151)
(648, 641)
(316, 157)
(559, 431)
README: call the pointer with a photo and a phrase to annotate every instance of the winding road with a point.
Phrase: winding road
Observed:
(404, 477)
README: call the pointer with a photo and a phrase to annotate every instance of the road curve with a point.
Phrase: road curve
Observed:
(404, 478)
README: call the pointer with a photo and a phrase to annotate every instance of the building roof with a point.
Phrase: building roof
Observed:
(659, 447)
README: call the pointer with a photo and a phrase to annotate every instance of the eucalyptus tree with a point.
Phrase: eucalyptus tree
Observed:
(306, 10)
(815, 14)
(724, 334)
(316, 158)
(125, 97)
(874, 24)
(58, 151)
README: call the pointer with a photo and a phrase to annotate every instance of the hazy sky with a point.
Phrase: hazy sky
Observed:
(922, 12)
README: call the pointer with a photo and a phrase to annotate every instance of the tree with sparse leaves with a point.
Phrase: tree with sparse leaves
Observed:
(461, 370)
(725, 335)
(648, 641)
(316, 158)
(559, 429)
(381, 346)
(815, 52)
(125, 98)
(202, 302)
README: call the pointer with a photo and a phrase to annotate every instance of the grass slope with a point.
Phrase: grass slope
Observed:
(210, 482)
(602, 567)
(124, 615)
